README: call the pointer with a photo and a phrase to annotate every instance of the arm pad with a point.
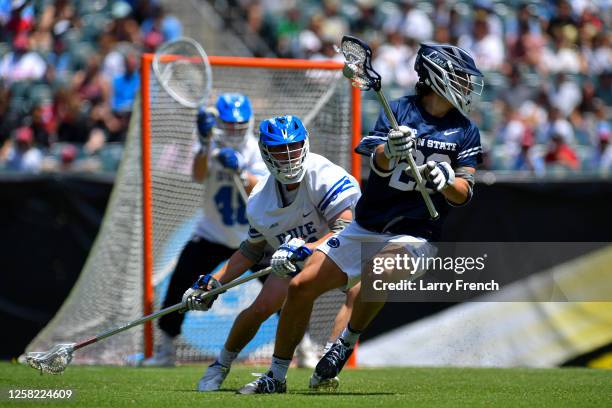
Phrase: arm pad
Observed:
(469, 177)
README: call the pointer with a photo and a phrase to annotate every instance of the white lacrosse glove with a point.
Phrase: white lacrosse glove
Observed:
(399, 142)
(192, 296)
(441, 174)
(287, 258)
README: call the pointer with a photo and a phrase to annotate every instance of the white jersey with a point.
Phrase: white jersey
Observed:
(324, 192)
(224, 220)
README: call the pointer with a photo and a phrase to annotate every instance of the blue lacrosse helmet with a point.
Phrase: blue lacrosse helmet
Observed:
(451, 73)
(283, 142)
(235, 118)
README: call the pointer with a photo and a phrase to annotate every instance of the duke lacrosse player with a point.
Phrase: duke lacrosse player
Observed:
(447, 148)
(304, 201)
(223, 225)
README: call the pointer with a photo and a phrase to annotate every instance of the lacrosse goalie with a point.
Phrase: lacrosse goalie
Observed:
(304, 201)
(227, 147)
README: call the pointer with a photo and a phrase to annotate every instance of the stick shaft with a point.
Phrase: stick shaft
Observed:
(170, 309)
(240, 187)
(433, 213)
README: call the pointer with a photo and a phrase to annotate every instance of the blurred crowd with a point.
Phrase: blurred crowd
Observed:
(69, 73)
(69, 70)
(547, 64)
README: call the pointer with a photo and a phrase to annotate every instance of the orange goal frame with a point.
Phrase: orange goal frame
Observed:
(147, 199)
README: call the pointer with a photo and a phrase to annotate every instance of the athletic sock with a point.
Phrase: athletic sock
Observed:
(350, 336)
(279, 368)
(226, 358)
(328, 346)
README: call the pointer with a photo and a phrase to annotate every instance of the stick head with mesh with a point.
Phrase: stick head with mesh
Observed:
(53, 361)
(182, 69)
(358, 63)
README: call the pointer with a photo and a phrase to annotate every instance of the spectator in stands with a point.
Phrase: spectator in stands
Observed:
(564, 22)
(488, 48)
(334, 24)
(22, 155)
(60, 59)
(41, 126)
(599, 57)
(367, 20)
(288, 32)
(73, 126)
(124, 90)
(90, 84)
(557, 125)
(525, 42)
(17, 17)
(113, 61)
(411, 22)
(604, 90)
(310, 38)
(560, 154)
(565, 94)
(602, 158)
(124, 27)
(21, 64)
(58, 17)
(561, 56)
(168, 27)
(517, 92)
(511, 136)
(125, 86)
(392, 61)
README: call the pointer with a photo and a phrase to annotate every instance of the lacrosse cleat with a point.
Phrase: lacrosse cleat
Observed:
(323, 384)
(333, 361)
(213, 377)
(265, 384)
(165, 353)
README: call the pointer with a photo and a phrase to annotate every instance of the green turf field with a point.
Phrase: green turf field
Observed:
(416, 387)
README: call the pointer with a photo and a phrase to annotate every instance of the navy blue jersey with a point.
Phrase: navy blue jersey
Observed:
(391, 202)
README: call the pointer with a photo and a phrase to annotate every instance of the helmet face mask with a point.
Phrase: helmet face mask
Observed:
(235, 119)
(283, 142)
(451, 73)
(233, 134)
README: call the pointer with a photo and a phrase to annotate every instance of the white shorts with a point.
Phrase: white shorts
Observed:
(345, 248)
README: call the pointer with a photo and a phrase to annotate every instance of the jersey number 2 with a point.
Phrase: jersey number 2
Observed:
(229, 214)
(419, 159)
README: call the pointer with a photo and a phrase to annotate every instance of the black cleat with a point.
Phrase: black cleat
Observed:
(333, 361)
(265, 384)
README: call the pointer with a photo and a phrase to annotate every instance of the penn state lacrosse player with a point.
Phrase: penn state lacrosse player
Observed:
(391, 212)
(304, 201)
(226, 146)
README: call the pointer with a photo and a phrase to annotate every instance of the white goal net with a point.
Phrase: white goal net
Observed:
(109, 290)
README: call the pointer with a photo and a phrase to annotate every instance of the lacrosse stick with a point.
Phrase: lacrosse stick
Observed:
(55, 360)
(182, 69)
(240, 187)
(358, 68)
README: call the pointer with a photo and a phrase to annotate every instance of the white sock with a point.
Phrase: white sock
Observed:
(226, 358)
(328, 346)
(350, 337)
(279, 368)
